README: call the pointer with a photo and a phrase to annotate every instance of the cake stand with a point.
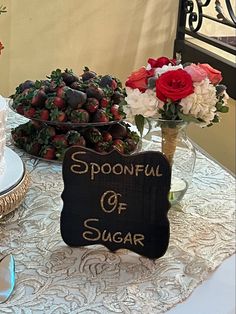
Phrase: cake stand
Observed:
(14, 183)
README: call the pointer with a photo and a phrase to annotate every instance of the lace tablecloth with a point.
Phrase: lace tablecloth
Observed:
(54, 278)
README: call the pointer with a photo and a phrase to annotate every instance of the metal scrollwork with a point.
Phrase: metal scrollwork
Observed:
(196, 15)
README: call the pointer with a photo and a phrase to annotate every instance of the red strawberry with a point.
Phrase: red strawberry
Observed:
(44, 115)
(48, 152)
(60, 141)
(79, 116)
(61, 91)
(100, 116)
(119, 145)
(57, 115)
(107, 137)
(39, 98)
(91, 105)
(29, 113)
(114, 84)
(104, 102)
(54, 102)
(114, 109)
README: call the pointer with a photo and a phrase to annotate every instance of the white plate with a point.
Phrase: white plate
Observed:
(13, 172)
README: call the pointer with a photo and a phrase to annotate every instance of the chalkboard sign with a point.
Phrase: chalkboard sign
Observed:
(116, 200)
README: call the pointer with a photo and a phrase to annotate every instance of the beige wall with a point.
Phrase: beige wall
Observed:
(109, 36)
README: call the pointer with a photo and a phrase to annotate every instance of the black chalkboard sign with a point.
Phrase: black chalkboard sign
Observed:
(116, 200)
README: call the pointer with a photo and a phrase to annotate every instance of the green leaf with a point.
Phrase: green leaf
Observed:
(188, 118)
(224, 109)
(139, 121)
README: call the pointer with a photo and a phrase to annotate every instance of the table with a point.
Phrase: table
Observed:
(54, 278)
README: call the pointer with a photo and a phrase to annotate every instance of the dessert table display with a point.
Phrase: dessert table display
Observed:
(54, 278)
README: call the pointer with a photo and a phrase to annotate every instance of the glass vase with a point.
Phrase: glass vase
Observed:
(170, 138)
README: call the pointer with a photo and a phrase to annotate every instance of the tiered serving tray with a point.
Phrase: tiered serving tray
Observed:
(13, 183)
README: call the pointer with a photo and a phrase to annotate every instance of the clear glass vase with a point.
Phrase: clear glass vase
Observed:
(170, 138)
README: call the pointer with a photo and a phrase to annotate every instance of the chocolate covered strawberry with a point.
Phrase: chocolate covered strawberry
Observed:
(94, 91)
(106, 136)
(75, 99)
(69, 77)
(102, 147)
(119, 145)
(46, 134)
(101, 116)
(118, 130)
(39, 98)
(33, 148)
(79, 116)
(87, 75)
(93, 135)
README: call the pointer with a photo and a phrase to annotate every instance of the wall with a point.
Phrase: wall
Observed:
(109, 36)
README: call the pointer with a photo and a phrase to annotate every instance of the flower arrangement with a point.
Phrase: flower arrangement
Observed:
(167, 89)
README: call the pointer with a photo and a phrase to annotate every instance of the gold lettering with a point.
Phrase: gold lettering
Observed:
(138, 168)
(108, 166)
(138, 239)
(108, 238)
(128, 170)
(112, 201)
(157, 172)
(128, 238)
(151, 171)
(77, 168)
(114, 169)
(95, 169)
(121, 206)
(87, 235)
(117, 239)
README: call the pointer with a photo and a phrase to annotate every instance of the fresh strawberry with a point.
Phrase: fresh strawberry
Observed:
(48, 152)
(60, 141)
(29, 113)
(61, 91)
(79, 116)
(100, 116)
(54, 102)
(44, 114)
(114, 109)
(114, 84)
(119, 145)
(57, 115)
(107, 137)
(104, 103)
(91, 105)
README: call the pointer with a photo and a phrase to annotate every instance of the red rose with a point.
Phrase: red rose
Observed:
(214, 75)
(174, 85)
(138, 79)
(159, 62)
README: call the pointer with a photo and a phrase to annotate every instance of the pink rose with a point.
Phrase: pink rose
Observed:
(214, 75)
(197, 73)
